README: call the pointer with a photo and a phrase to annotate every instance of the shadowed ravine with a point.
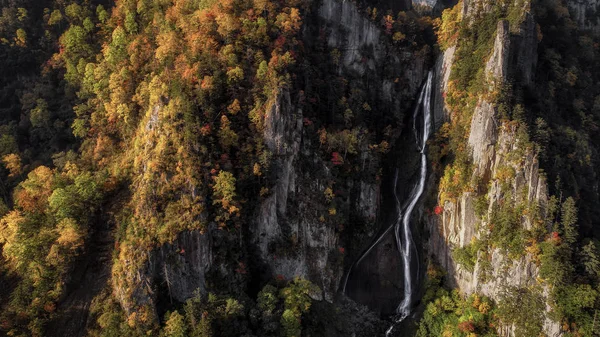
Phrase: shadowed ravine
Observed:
(400, 224)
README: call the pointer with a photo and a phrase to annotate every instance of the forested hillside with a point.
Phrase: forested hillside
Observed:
(223, 167)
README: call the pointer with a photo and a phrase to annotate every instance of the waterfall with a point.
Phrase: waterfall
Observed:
(401, 225)
(404, 240)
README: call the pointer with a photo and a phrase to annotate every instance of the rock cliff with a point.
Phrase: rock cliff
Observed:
(585, 13)
(291, 213)
(495, 147)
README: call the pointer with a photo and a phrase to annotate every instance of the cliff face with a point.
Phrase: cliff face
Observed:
(585, 13)
(441, 78)
(365, 49)
(495, 148)
(291, 214)
(181, 266)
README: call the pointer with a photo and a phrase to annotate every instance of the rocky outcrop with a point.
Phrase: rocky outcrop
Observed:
(428, 3)
(182, 265)
(441, 78)
(473, 7)
(484, 126)
(367, 200)
(497, 66)
(483, 137)
(283, 127)
(309, 241)
(292, 240)
(353, 33)
(363, 47)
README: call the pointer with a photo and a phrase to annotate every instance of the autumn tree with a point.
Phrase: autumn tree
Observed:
(224, 191)
(175, 325)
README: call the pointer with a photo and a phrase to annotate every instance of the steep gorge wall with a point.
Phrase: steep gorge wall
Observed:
(293, 210)
(496, 148)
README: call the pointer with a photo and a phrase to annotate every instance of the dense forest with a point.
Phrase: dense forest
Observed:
(146, 146)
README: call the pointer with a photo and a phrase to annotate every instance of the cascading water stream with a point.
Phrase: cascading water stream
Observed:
(401, 225)
(406, 246)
